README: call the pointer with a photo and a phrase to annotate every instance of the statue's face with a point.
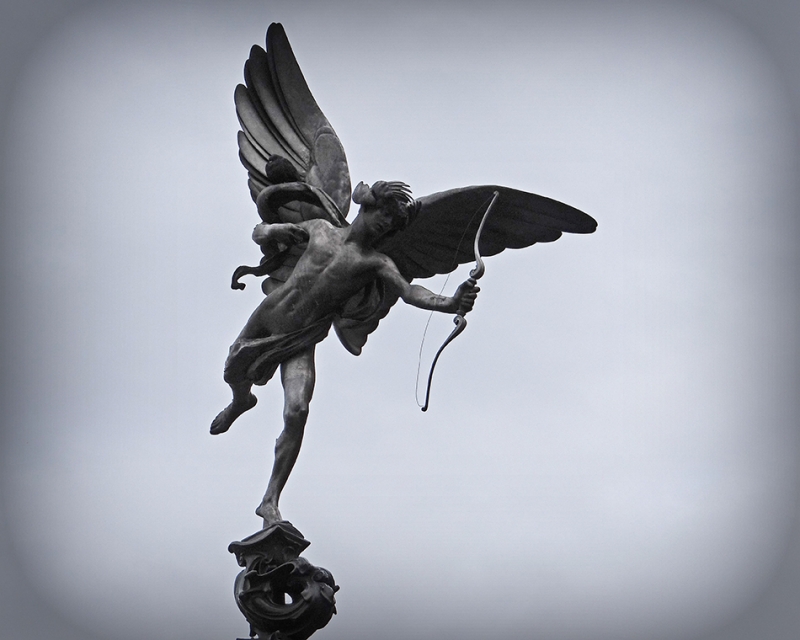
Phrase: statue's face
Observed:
(378, 220)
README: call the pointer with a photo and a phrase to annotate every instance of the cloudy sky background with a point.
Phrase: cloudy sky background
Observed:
(611, 450)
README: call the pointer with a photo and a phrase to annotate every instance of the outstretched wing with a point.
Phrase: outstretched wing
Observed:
(279, 116)
(441, 233)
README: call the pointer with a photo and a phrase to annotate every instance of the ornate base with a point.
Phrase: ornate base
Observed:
(283, 596)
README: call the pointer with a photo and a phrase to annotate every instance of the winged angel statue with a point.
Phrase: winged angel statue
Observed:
(323, 271)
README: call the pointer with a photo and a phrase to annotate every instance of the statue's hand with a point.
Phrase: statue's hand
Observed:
(465, 296)
(279, 233)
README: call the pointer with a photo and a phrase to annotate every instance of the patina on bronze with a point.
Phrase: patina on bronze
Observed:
(324, 272)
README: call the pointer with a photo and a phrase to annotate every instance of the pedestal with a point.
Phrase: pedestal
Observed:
(283, 596)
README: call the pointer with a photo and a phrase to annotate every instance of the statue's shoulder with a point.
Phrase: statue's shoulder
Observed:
(322, 228)
(381, 259)
(322, 223)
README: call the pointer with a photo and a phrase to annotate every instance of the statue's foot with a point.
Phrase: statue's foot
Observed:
(225, 418)
(270, 514)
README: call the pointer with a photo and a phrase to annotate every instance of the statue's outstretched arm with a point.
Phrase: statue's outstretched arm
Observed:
(418, 296)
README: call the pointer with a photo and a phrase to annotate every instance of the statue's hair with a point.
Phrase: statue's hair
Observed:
(392, 195)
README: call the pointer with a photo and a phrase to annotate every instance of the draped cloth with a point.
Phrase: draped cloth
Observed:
(255, 360)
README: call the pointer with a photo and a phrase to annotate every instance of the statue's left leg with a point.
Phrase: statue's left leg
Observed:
(298, 375)
(242, 401)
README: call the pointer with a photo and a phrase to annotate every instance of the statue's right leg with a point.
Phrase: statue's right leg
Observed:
(242, 401)
(298, 375)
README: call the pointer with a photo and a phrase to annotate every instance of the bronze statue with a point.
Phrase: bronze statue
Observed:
(325, 272)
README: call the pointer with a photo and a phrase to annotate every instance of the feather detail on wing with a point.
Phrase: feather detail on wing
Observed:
(441, 233)
(297, 169)
(279, 116)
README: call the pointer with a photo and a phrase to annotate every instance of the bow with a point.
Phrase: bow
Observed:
(460, 321)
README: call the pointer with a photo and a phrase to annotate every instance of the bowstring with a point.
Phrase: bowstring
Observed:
(446, 280)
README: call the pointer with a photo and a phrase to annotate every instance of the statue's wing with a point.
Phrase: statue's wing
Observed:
(281, 119)
(441, 233)
(279, 116)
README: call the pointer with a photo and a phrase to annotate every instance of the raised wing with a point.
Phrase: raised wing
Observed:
(279, 116)
(442, 232)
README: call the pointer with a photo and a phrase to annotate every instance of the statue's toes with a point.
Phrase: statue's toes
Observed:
(221, 423)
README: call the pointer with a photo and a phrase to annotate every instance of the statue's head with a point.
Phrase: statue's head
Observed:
(392, 197)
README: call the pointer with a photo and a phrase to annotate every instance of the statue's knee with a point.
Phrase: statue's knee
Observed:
(295, 414)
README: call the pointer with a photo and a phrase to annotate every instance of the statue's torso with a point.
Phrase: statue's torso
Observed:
(330, 271)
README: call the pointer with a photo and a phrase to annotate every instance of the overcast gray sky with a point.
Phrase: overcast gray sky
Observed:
(611, 449)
